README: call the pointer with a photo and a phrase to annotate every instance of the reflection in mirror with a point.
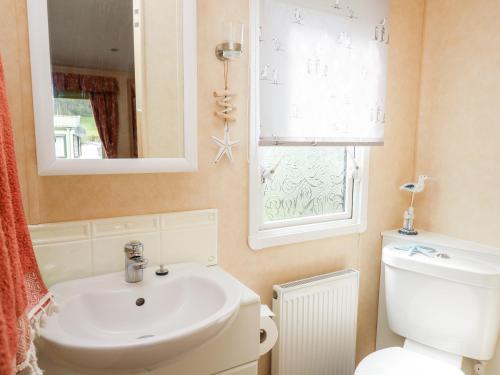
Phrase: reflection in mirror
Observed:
(104, 55)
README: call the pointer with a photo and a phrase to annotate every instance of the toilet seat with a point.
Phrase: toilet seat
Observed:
(399, 361)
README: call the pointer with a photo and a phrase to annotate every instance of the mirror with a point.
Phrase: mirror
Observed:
(114, 85)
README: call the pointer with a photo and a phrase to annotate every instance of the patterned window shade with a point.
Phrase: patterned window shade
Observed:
(323, 70)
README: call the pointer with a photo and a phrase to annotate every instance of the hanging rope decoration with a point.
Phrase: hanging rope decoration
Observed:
(224, 101)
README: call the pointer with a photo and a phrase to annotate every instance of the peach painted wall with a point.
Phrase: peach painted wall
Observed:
(459, 130)
(225, 186)
(459, 126)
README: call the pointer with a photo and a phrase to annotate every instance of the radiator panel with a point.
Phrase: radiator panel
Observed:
(317, 321)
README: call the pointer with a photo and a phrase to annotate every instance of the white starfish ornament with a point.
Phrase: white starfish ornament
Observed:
(225, 146)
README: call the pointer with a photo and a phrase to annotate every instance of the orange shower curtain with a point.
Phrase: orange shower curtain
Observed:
(24, 299)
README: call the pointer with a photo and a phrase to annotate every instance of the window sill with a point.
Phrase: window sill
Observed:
(301, 233)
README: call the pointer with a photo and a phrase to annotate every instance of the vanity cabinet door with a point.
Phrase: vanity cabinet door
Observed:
(248, 369)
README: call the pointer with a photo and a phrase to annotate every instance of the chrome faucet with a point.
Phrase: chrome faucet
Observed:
(135, 262)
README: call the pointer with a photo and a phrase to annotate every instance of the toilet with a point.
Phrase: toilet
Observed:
(445, 302)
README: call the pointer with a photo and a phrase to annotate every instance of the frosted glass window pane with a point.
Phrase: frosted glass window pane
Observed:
(308, 181)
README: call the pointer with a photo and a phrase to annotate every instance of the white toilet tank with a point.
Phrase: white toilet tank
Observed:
(445, 298)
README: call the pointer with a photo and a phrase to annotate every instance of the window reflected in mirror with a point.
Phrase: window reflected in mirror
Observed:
(75, 129)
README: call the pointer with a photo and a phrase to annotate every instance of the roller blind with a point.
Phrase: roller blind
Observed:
(322, 71)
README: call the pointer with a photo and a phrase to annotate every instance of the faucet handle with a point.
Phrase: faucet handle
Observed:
(134, 249)
(141, 264)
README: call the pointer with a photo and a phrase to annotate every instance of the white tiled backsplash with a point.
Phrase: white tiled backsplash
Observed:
(77, 249)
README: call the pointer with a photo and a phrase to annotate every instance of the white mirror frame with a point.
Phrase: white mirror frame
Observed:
(48, 164)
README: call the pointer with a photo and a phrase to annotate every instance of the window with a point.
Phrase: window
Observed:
(318, 82)
(305, 193)
(73, 115)
(77, 146)
(61, 146)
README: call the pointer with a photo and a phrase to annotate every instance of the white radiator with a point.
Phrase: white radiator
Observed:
(316, 319)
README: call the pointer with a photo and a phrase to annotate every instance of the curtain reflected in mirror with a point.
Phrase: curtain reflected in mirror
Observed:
(104, 55)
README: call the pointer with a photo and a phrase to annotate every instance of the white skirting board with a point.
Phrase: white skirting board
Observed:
(317, 324)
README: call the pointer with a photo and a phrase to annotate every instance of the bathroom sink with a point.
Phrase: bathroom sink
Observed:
(108, 324)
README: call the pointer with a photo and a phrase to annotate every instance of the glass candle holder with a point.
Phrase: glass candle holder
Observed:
(232, 45)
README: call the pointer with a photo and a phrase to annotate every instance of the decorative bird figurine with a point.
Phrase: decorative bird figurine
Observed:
(415, 187)
(409, 216)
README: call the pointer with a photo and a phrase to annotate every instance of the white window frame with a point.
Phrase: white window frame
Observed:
(304, 229)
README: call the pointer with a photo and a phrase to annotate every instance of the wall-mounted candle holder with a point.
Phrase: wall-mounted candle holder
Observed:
(232, 46)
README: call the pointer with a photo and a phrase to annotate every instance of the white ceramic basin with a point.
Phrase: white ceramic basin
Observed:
(101, 326)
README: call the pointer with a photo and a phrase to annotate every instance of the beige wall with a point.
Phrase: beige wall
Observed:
(459, 126)
(225, 186)
(459, 130)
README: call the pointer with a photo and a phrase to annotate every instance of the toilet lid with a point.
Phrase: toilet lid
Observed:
(399, 361)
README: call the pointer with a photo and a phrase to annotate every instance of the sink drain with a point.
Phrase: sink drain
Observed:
(140, 301)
